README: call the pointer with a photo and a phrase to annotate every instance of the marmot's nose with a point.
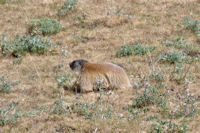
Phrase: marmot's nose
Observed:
(70, 64)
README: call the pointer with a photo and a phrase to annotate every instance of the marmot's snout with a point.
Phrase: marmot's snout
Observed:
(71, 64)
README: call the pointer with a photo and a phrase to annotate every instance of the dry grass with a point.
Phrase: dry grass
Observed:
(152, 22)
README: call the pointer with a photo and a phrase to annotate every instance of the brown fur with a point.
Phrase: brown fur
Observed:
(113, 76)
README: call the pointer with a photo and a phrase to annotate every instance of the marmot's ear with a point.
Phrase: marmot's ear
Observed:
(82, 61)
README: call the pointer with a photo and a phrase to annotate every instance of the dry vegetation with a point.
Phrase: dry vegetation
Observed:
(35, 84)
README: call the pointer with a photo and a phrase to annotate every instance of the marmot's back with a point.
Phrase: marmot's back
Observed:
(118, 77)
(114, 74)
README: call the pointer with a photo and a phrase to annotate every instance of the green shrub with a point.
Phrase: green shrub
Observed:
(3, 2)
(157, 76)
(179, 73)
(149, 97)
(136, 49)
(67, 7)
(63, 78)
(21, 45)
(36, 112)
(10, 115)
(160, 126)
(44, 26)
(60, 107)
(81, 39)
(125, 51)
(174, 57)
(5, 86)
(84, 109)
(80, 19)
(7, 118)
(91, 110)
(180, 43)
(66, 82)
(193, 25)
(188, 105)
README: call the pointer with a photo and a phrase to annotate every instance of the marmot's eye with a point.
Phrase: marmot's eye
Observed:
(77, 64)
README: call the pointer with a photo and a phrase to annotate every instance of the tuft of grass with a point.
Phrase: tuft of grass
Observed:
(188, 105)
(3, 2)
(157, 76)
(63, 78)
(80, 20)
(174, 57)
(84, 109)
(21, 45)
(192, 24)
(67, 7)
(150, 96)
(125, 51)
(60, 107)
(5, 86)
(67, 82)
(181, 74)
(92, 110)
(44, 26)
(35, 112)
(160, 126)
(136, 49)
(10, 115)
(180, 43)
(81, 39)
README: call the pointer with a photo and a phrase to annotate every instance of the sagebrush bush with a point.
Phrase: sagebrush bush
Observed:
(60, 107)
(174, 57)
(10, 115)
(5, 85)
(92, 110)
(3, 2)
(152, 96)
(80, 20)
(67, 7)
(181, 74)
(180, 43)
(21, 45)
(124, 51)
(84, 109)
(157, 76)
(192, 24)
(136, 49)
(160, 126)
(44, 26)
(63, 78)
(67, 82)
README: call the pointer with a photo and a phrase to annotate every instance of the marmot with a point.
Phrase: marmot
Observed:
(113, 76)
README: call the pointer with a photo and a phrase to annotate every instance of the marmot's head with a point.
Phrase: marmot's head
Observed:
(77, 65)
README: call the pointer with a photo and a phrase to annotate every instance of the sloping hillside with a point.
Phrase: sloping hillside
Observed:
(156, 42)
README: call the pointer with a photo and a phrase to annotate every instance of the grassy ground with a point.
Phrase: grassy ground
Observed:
(95, 30)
